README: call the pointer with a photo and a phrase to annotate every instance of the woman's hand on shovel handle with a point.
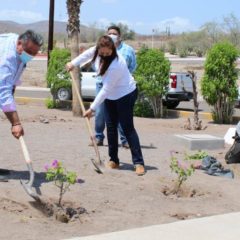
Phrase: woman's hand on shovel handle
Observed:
(88, 113)
(69, 66)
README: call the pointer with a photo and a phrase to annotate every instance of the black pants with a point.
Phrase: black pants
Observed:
(121, 111)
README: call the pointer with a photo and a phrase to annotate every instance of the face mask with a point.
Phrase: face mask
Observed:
(25, 57)
(113, 37)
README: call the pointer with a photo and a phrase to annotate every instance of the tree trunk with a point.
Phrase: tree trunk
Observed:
(74, 53)
(197, 123)
(73, 28)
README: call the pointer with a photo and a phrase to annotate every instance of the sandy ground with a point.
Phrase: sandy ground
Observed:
(115, 200)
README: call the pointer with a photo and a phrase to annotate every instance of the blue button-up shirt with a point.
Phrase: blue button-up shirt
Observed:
(11, 69)
(129, 55)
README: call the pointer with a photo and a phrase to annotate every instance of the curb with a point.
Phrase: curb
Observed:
(185, 114)
(202, 115)
(26, 100)
(224, 226)
(42, 102)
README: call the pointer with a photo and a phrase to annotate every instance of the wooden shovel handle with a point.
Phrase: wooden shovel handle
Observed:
(87, 120)
(25, 150)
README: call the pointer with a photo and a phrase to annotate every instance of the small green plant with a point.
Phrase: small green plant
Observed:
(182, 169)
(61, 177)
(197, 156)
(50, 103)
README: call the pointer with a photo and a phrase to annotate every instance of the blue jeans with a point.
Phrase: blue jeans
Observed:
(121, 111)
(100, 121)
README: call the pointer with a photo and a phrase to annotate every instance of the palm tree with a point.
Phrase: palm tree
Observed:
(73, 29)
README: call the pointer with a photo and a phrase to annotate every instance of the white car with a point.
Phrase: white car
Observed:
(179, 89)
(88, 86)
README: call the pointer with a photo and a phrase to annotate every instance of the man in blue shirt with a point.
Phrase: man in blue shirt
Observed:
(15, 52)
(129, 54)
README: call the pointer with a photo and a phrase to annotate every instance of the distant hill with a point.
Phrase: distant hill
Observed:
(88, 35)
(60, 32)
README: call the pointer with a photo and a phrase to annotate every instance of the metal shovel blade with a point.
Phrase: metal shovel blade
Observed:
(99, 168)
(28, 185)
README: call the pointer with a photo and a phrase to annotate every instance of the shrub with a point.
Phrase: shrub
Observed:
(143, 108)
(219, 83)
(57, 75)
(172, 47)
(56, 69)
(152, 76)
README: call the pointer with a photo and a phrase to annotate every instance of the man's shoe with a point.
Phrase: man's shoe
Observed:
(140, 170)
(98, 142)
(125, 145)
(113, 165)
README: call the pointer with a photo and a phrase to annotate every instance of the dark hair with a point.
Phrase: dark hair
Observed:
(105, 41)
(32, 36)
(115, 28)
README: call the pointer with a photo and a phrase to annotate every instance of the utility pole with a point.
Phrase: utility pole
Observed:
(152, 37)
(50, 28)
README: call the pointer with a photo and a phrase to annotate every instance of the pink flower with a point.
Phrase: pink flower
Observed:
(55, 164)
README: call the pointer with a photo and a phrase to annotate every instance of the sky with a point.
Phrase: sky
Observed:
(143, 17)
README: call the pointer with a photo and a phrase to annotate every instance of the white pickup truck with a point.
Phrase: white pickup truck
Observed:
(180, 88)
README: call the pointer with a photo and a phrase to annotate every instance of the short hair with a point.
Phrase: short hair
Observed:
(32, 36)
(115, 28)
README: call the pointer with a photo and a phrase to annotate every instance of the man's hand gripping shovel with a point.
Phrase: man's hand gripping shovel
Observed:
(98, 164)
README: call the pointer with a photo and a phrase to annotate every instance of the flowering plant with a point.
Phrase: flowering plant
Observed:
(182, 169)
(61, 177)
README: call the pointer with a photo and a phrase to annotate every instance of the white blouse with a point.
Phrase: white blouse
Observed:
(117, 80)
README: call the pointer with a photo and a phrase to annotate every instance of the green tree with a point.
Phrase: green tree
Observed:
(152, 75)
(219, 86)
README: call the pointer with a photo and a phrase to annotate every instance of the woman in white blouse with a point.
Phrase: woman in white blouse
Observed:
(118, 93)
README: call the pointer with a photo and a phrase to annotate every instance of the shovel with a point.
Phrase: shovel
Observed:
(28, 185)
(97, 164)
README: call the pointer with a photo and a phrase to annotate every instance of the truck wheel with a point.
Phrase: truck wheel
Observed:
(64, 94)
(171, 104)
